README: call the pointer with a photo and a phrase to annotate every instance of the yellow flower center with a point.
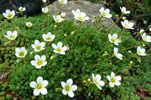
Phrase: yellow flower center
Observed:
(49, 38)
(57, 20)
(81, 18)
(113, 40)
(21, 53)
(58, 49)
(95, 81)
(39, 62)
(38, 47)
(29, 25)
(113, 80)
(67, 88)
(104, 13)
(12, 36)
(9, 15)
(39, 86)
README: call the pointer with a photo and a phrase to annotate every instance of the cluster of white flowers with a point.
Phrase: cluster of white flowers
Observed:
(114, 80)
(39, 61)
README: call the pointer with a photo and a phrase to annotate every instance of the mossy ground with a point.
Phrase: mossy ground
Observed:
(77, 64)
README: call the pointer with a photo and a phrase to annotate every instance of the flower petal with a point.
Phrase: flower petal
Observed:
(43, 91)
(117, 83)
(63, 84)
(39, 79)
(74, 88)
(36, 92)
(69, 81)
(111, 84)
(71, 94)
(64, 92)
(44, 83)
(33, 84)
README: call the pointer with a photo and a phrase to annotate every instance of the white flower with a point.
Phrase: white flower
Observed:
(58, 48)
(9, 14)
(58, 19)
(141, 51)
(20, 52)
(38, 46)
(118, 55)
(44, 1)
(28, 24)
(105, 13)
(62, 1)
(68, 88)
(114, 80)
(39, 61)
(45, 10)
(48, 37)
(146, 37)
(123, 10)
(21, 9)
(128, 25)
(113, 39)
(39, 86)
(80, 16)
(63, 14)
(97, 81)
(11, 35)
(141, 31)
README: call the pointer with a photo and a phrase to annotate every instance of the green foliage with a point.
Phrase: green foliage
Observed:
(78, 63)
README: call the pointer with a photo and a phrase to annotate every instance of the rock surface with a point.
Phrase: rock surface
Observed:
(91, 9)
(32, 6)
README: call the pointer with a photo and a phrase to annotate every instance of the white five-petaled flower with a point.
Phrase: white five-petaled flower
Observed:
(105, 13)
(45, 10)
(11, 35)
(58, 19)
(9, 14)
(128, 25)
(48, 37)
(58, 48)
(68, 88)
(113, 39)
(141, 51)
(80, 16)
(62, 1)
(97, 81)
(63, 14)
(146, 37)
(28, 24)
(39, 61)
(114, 80)
(118, 55)
(20, 52)
(38, 46)
(123, 10)
(44, 1)
(39, 86)
(21, 9)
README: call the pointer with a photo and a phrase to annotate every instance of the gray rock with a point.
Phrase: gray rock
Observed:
(32, 6)
(91, 9)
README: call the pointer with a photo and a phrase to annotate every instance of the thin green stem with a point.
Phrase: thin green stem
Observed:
(47, 46)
